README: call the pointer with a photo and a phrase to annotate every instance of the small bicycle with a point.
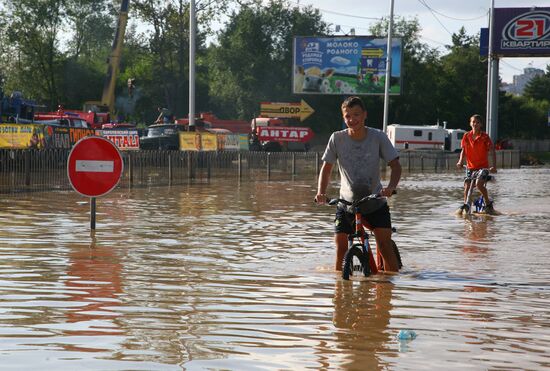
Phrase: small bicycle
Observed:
(359, 257)
(478, 205)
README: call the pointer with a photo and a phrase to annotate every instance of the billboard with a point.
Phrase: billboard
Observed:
(345, 65)
(39, 136)
(521, 32)
(126, 139)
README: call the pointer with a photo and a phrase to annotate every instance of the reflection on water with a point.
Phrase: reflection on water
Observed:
(230, 275)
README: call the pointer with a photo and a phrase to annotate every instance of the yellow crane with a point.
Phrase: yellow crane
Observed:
(107, 103)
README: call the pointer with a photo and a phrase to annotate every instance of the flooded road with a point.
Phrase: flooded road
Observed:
(237, 276)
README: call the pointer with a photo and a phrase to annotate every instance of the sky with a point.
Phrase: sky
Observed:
(439, 19)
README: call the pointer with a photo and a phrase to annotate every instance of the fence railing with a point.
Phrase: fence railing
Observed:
(442, 161)
(40, 170)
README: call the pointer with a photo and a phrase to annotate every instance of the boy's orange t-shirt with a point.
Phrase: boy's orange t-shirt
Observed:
(476, 150)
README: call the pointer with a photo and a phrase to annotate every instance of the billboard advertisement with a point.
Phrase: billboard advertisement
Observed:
(124, 139)
(39, 136)
(190, 141)
(345, 65)
(521, 32)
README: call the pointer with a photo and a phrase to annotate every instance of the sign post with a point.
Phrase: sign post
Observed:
(300, 110)
(94, 168)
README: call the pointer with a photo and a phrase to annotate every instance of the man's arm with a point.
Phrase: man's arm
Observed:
(395, 176)
(460, 159)
(324, 178)
(493, 154)
(159, 119)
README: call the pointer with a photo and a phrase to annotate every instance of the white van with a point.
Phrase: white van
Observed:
(453, 139)
(417, 136)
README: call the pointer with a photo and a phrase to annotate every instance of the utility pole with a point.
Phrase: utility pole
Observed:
(192, 38)
(492, 81)
(388, 70)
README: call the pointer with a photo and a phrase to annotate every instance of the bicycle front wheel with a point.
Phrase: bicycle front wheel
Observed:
(355, 263)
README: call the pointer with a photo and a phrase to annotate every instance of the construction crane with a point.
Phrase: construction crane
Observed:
(107, 103)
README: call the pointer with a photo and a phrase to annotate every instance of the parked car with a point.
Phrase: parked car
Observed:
(70, 122)
(162, 136)
(118, 125)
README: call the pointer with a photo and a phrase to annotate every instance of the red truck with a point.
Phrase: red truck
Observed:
(93, 120)
(210, 121)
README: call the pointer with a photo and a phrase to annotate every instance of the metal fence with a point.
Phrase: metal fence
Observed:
(442, 161)
(40, 170)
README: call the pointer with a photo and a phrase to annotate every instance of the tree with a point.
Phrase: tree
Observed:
(522, 117)
(32, 30)
(167, 42)
(92, 23)
(463, 83)
(252, 61)
(420, 68)
(539, 87)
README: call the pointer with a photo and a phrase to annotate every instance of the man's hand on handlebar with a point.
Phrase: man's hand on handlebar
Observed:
(387, 191)
(321, 198)
(493, 170)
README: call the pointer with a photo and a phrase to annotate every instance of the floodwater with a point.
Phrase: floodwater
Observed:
(238, 276)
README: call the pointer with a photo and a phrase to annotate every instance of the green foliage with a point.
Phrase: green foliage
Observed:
(93, 24)
(55, 51)
(539, 87)
(253, 59)
(32, 30)
(522, 117)
(420, 71)
(463, 82)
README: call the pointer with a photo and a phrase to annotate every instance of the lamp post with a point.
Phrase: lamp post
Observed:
(192, 37)
(492, 81)
(388, 70)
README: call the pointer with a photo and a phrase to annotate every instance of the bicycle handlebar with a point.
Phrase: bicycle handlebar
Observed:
(374, 196)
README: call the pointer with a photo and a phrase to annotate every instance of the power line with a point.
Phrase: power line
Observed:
(509, 65)
(423, 2)
(337, 13)
(433, 13)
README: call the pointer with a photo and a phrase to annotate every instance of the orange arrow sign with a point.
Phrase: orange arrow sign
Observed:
(300, 110)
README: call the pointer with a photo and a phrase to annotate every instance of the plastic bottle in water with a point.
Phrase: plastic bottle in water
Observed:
(406, 335)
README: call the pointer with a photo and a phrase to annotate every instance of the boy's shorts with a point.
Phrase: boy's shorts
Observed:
(344, 222)
(481, 174)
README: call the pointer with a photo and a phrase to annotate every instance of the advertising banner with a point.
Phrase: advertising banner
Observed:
(209, 142)
(243, 142)
(285, 134)
(190, 141)
(124, 139)
(345, 65)
(21, 136)
(228, 142)
(521, 32)
(57, 137)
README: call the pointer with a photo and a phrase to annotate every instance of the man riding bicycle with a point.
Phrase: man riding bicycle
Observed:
(476, 146)
(357, 150)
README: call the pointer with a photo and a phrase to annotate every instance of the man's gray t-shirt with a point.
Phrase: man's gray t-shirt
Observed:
(359, 163)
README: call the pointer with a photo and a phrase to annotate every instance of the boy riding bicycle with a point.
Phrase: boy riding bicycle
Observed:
(476, 146)
(357, 150)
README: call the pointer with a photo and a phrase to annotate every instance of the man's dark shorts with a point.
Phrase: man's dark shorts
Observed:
(345, 221)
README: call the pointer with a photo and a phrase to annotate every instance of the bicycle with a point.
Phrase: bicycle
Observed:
(479, 204)
(359, 257)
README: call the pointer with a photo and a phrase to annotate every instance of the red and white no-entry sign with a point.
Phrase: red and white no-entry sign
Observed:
(94, 166)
